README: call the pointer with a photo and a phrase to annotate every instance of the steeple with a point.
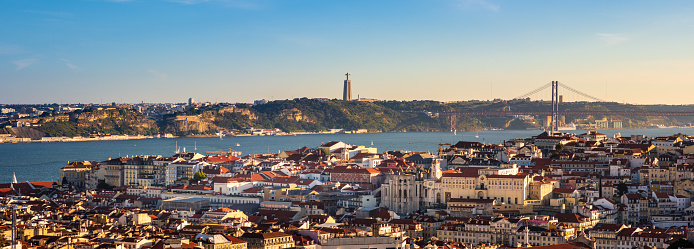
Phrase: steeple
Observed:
(435, 170)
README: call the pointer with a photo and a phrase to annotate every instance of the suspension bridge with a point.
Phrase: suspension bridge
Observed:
(555, 113)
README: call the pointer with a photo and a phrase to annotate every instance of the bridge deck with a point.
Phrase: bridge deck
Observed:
(549, 113)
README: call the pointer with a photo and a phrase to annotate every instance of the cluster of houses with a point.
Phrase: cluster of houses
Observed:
(550, 191)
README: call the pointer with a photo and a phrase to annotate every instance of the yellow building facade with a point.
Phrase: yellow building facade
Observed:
(511, 189)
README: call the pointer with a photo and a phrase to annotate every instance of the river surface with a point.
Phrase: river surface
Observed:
(41, 161)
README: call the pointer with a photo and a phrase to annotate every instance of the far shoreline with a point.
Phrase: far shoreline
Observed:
(15, 140)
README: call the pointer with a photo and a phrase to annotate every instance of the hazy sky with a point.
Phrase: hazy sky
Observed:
(96, 51)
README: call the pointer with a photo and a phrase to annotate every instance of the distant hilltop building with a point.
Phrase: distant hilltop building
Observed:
(191, 101)
(260, 102)
(347, 91)
(367, 100)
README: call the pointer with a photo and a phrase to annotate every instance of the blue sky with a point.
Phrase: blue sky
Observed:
(98, 51)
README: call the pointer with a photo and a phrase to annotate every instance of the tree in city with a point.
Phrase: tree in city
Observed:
(198, 176)
(3, 239)
(103, 185)
(622, 188)
(681, 243)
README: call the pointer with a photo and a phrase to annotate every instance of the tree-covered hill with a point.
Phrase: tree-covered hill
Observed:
(312, 115)
(93, 122)
(305, 114)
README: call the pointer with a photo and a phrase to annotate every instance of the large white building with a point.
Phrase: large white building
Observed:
(230, 186)
(411, 190)
(509, 189)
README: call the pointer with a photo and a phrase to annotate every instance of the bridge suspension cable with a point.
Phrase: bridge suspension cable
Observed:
(582, 94)
(543, 87)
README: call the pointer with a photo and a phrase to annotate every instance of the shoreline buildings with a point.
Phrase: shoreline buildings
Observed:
(521, 193)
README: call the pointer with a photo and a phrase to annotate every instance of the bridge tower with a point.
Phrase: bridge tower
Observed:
(555, 106)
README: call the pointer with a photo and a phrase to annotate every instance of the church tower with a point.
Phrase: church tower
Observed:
(435, 170)
(347, 91)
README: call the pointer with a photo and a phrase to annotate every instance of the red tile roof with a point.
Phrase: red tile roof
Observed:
(570, 218)
(572, 245)
(563, 190)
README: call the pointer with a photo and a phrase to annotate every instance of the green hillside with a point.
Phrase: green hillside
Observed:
(312, 115)
(92, 122)
(393, 116)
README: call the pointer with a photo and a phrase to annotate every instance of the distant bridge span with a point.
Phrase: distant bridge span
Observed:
(555, 113)
(549, 113)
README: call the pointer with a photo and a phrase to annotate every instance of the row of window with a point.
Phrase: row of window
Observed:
(482, 187)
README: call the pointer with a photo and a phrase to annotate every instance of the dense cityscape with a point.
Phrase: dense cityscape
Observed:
(556, 190)
(346, 124)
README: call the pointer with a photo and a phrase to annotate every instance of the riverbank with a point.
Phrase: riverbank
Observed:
(31, 161)
(262, 133)
(8, 139)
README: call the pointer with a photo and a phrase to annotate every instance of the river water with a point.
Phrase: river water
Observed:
(41, 161)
